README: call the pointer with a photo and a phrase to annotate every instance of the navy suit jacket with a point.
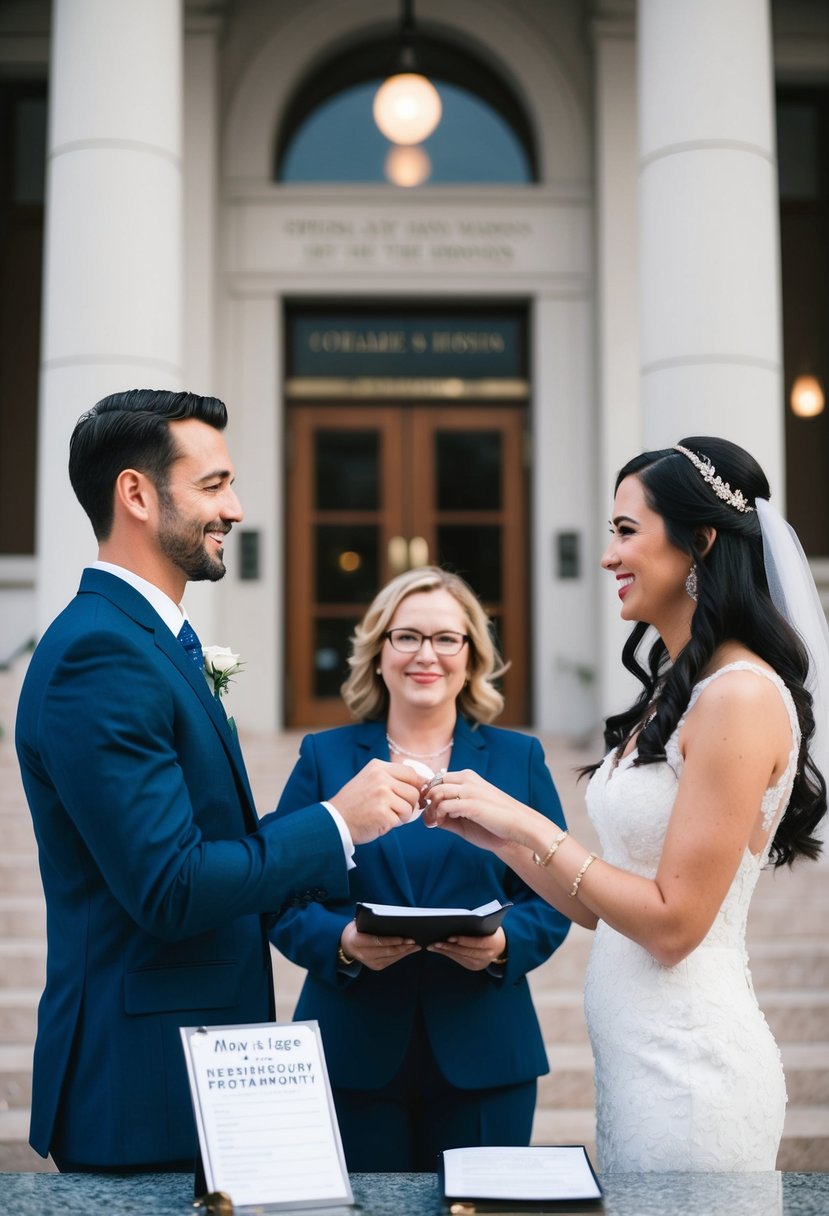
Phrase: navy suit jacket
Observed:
(156, 873)
(482, 1027)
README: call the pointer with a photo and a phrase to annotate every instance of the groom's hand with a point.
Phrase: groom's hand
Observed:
(380, 797)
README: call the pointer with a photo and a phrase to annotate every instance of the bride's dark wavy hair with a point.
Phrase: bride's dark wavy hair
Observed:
(733, 604)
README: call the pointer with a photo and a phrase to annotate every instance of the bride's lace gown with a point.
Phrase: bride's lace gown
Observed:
(688, 1075)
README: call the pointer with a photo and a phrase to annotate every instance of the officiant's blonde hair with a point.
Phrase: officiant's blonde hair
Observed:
(365, 693)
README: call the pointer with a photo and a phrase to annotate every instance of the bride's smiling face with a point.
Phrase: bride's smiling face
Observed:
(650, 571)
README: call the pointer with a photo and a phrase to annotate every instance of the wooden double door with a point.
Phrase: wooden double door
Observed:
(376, 489)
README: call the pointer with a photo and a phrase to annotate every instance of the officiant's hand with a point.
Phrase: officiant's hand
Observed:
(473, 808)
(474, 953)
(376, 953)
(381, 797)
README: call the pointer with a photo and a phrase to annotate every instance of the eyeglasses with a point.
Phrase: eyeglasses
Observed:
(409, 641)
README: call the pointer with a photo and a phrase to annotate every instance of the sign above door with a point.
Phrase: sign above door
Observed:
(457, 354)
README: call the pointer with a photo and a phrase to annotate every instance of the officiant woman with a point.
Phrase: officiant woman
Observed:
(436, 1047)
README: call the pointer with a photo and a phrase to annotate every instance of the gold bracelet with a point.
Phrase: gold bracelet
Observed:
(574, 890)
(551, 852)
(343, 958)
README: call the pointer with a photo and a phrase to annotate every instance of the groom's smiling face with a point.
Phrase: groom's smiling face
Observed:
(198, 506)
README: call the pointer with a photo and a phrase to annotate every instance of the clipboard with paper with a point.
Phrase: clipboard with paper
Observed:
(265, 1117)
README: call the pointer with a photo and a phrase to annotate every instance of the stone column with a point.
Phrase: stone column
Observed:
(112, 276)
(200, 239)
(710, 310)
(617, 294)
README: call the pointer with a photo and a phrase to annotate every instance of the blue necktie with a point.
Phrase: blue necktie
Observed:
(189, 640)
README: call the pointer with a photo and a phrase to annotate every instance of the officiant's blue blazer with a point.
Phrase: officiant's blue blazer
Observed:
(156, 873)
(482, 1026)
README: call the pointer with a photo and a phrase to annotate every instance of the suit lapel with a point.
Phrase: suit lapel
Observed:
(469, 749)
(173, 649)
(139, 610)
(371, 744)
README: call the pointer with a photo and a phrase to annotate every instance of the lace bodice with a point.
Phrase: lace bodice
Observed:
(687, 1074)
(632, 839)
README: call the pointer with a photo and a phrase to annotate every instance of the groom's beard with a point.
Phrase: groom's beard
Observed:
(186, 544)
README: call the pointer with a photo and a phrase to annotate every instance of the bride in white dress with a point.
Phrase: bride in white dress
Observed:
(713, 772)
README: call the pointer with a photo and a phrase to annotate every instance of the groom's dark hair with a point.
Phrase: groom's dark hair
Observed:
(130, 430)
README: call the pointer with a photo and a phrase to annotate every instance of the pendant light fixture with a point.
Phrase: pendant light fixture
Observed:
(407, 106)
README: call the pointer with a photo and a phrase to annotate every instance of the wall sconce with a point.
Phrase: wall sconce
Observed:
(407, 106)
(807, 398)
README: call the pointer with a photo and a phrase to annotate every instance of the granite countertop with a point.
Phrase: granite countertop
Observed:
(770, 1194)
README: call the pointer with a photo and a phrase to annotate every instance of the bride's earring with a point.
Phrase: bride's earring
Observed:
(691, 583)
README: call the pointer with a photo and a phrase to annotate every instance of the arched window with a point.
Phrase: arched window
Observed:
(329, 135)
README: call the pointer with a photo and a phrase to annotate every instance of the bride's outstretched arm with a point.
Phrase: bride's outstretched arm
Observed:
(491, 819)
(735, 743)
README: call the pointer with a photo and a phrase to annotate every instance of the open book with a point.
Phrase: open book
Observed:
(426, 925)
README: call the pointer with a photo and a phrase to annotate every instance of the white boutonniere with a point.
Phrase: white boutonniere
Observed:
(220, 666)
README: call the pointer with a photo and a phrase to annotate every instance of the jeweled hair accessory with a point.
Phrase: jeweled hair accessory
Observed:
(734, 498)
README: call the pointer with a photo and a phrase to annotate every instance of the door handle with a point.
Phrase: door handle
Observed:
(418, 552)
(407, 554)
(398, 555)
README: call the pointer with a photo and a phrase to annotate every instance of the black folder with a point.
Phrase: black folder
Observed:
(427, 925)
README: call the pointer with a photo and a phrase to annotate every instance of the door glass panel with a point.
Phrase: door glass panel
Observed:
(475, 552)
(346, 563)
(332, 646)
(496, 631)
(468, 470)
(362, 477)
(346, 470)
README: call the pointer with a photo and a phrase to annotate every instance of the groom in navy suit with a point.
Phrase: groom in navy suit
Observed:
(160, 880)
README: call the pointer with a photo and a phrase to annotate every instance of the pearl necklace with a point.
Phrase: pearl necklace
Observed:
(403, 751)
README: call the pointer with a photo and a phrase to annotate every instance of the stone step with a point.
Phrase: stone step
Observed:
(17, 834)
(807, 1074)
(797, 1015)
(18, 1015)
(799, 963)
(14, 1125)
(561, 1016)
(16, 1157)
(19, 874)
(787, 917)
(568, 1126)
(15, 1077)
(805, 1144)
(22, 963)
(22, 916)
